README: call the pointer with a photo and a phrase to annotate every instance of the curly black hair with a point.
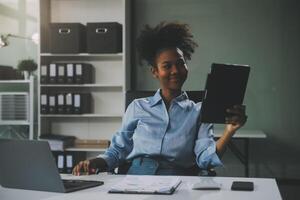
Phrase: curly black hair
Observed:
(165, 35)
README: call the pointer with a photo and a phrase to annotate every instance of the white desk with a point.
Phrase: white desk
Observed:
(263, 189)
(244, 135)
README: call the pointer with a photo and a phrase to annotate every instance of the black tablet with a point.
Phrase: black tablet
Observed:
(225, 87)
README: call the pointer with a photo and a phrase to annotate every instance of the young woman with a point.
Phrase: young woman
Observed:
(162, 134)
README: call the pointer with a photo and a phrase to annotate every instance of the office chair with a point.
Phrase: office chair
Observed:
(196, 96)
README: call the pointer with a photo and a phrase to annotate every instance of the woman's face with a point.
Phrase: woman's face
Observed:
(171, 69)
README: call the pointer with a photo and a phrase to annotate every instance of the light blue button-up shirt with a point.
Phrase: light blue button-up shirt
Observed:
(148, 128)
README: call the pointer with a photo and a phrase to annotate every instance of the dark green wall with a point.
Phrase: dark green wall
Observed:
(262, 33)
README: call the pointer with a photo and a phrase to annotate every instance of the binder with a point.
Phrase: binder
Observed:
(52, 73)
(72, 159)
(84, 73)
(44, 103)
(61, 163)
(70, 73)
(69, 164)
(66, 160)
(61, 104)
(52, 104)
(61, 73)
(82, 103)
(44, 74)
(69, 103)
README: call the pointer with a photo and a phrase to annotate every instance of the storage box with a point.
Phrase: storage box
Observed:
(104, 37)
(9, 73)
(67, 38)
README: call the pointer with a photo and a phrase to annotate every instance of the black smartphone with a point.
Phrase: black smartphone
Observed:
(242, 186)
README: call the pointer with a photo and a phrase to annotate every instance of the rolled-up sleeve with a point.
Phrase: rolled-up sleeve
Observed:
(122, 143)
(205, 148)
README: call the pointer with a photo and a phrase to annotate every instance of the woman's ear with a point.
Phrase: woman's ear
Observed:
(154, 72)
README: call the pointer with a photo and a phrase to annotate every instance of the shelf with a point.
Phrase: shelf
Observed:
(17, 107)
(243, 133)
(83, 115)
(82, 55)
(82, 85)
(111, 71)
(14, 122)
(14, 93)
(86, 149)
(14, 81)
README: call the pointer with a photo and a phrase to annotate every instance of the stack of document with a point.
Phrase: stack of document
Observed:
(79, 143)
(58, 142)
(133, 184)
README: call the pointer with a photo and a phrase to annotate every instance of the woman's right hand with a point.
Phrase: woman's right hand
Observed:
(82, 168)
(88, 167)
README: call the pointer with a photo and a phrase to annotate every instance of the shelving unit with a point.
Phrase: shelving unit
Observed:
(112, 73)
(17, 107)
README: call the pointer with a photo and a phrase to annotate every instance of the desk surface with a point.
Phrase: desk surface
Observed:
(263, 189)
(243, 133)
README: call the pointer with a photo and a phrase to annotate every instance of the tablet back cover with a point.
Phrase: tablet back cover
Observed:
(225, 87)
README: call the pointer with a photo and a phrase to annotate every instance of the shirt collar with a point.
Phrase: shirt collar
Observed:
(180, 100)
(156, 98)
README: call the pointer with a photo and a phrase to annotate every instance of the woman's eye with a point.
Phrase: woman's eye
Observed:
(167, 66)
(180, 63)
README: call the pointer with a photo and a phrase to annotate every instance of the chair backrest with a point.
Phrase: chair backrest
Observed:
(196, 96)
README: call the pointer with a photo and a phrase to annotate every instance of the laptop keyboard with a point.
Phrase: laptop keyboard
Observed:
(80, 183)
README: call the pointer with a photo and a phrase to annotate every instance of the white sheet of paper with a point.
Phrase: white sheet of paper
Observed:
(147, 184)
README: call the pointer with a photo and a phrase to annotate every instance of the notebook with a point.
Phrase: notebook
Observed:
(225, 87)
(134, 184)
(29, 164)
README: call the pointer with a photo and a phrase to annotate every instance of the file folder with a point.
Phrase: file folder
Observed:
(66, 160)
(61, 104)
(82, 103)
(52, 104)
(69, 163)
(84, 73)
(61, 73)
(44, 104)
(44, 74)
(61, 163)
(52, 73)
(70, 73)
(69, 103)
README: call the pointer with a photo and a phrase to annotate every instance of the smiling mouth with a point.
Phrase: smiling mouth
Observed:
(174, 79)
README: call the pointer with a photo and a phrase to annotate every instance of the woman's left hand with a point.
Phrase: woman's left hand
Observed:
(237, 118)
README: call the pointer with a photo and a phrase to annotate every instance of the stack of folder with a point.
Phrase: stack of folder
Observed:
(66, 160)
(58, 142)
(66, 103)
(67, 73)
(103, 144)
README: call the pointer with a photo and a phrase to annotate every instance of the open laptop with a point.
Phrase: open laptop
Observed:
(30, 165)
